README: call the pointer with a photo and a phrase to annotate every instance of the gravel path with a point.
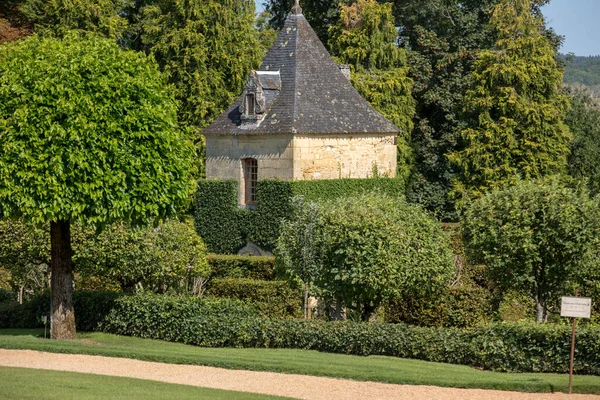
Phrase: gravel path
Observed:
(297, 386)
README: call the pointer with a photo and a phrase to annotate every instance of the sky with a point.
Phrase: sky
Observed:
(577, 20)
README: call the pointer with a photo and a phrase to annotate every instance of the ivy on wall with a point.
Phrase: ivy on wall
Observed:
(225, 227)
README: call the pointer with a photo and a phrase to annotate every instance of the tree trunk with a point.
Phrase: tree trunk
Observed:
(306, 300)
(62, 323)
(21, 293)
(337, 316)
(540, 306)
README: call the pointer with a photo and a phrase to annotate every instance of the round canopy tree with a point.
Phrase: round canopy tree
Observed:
(535, 237)
(375, 248)
(88, 133)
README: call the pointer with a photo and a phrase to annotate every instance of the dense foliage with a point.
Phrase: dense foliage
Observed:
(516, 105)
(523, 347)
(376, 248)
(57, 17)
(299, 246)
(168, 258)
(272, 299)
(536, 237)
(91, 137)
(91, 308)
(252, 267)
(216, 205)
(583, 120)
(365, 38)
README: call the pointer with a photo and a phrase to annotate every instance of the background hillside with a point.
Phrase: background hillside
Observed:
(584, 71)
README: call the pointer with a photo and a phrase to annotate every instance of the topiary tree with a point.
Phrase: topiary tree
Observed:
(376, 248)
(535, 237)
(516, 108)
(298, 249)
(88, 133)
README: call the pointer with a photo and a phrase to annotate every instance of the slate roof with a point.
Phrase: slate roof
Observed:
(315, 97)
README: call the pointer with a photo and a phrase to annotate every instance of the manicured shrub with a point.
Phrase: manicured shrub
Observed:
(511, 347)
(251, 267)
(457, 307)
(217, 216)
(192, 320)
(273, 299)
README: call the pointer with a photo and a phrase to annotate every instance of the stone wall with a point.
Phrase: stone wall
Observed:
(301, 157)
(343, 156)
(224, 155)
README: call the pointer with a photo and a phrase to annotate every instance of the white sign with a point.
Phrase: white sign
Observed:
(576, 307)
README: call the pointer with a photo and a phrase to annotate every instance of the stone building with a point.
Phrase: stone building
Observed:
(299, 118)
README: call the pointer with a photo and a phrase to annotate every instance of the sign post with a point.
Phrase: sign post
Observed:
(575, 307)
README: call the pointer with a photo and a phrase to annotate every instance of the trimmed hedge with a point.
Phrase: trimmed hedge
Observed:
(458, 307)
(273, 299)
(191, 320)
(251, 267)
(225, 227)
(511, 347)
(218, 220)
(90, 309)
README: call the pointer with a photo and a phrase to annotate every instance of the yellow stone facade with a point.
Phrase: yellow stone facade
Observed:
(301, 157)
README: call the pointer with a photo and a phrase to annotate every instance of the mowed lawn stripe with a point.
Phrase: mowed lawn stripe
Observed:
(25, 383)
(372, 368)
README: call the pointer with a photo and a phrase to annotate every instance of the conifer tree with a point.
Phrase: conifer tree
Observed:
(516, 108)
(365, 37)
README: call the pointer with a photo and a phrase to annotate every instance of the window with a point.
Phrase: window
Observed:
(250, 104)
(250, 178)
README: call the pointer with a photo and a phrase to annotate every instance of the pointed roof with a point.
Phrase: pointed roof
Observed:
(314, 98)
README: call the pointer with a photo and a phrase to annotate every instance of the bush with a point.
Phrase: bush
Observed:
(273, 299)
(90, 308)
(458, 307)
(7, 296)
(510, 347)
(191, 320)
(251, 267)
(217, 206)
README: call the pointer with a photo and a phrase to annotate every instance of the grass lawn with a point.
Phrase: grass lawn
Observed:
(373, 368)
(24, 383)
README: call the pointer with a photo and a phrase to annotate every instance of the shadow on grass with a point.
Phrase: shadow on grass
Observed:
(39, 333)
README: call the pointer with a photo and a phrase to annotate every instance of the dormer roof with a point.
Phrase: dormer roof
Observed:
(313, 96)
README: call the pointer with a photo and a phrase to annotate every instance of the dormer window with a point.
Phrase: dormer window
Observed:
(250, 109)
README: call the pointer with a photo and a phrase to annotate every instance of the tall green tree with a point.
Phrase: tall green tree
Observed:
(57, 17)
(583, 120)
(88, 134)
(206, 48)
(539, 238)
(321, 14)
(365, 38)
(516, 107)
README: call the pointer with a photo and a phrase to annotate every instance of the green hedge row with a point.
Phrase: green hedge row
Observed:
(514, 347)
(251, 267)
(90, 309)
(225, 227)
(273, 299)
(191, 320)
